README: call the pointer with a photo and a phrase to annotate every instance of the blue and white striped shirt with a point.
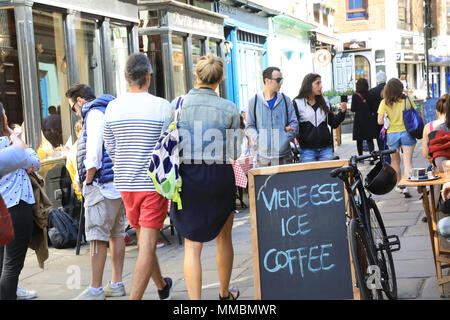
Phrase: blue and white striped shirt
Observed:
(133, 124)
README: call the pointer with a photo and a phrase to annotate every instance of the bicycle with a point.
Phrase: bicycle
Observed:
(370, 245)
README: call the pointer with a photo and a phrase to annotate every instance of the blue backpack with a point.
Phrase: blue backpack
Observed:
(62, 229)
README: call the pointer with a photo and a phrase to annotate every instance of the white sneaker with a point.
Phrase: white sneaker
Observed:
(25, 295)
(398, 189)
(88, 295)
(114, 291)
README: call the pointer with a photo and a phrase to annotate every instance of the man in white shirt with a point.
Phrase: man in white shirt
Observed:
(133, 124)
(105, 213)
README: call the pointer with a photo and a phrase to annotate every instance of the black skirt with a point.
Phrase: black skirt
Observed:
(208, 196)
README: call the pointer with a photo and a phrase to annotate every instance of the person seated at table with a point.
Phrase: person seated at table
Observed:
(431, 126)
(439, 140)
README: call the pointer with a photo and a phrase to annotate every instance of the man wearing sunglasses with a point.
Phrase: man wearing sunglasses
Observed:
(271, 121)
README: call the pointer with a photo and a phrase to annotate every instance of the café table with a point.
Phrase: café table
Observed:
(441, 255)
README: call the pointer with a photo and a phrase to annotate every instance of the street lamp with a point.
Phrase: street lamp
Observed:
(427, 33)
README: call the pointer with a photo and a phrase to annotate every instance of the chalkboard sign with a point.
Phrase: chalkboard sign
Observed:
(299, 233)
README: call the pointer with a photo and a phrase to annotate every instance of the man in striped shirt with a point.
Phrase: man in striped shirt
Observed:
(133, 124)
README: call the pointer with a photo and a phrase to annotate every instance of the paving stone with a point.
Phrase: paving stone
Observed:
(409, 288)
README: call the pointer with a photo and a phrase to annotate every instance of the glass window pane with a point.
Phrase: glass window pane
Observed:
(52, 72)
(362, 68)
(213, 48)
(196, 52)
(119, 54)
(179, 69)
(10, 90)
(89, 54)
(355, 4)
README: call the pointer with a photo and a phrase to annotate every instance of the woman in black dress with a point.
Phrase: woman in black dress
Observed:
(365, 123)
(208, 191)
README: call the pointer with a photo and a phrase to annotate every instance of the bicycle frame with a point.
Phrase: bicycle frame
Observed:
(360, 211)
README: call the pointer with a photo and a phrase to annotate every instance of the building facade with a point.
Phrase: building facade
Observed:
(382, 36)
(439, 53)
(174, 35)
(46, 46)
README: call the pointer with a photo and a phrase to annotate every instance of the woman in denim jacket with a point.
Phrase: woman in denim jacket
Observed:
(209, 128)
(17, 193)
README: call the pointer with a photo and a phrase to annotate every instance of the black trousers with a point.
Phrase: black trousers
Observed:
(12, 256)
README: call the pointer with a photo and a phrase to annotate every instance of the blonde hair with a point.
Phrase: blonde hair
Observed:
(209, 69)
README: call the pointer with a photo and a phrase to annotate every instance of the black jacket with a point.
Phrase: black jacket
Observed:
(365, 125)
(313, 131)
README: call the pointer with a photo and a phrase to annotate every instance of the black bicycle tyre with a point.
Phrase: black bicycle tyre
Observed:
(384, 258)
(361, 259)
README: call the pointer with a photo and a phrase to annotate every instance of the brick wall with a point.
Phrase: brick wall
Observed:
(375, 21)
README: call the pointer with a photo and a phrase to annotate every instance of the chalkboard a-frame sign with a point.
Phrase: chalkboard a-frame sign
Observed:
(299, 233)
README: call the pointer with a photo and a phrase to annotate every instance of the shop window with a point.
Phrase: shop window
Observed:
(151, 46)
(213, 48)
(362, 68)
(356, 9)
(52, 73)
(10, 90)
(89, 54)
(179, 66)
(119, 56)
(196, 52)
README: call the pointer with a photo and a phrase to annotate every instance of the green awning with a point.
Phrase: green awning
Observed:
(293, 23)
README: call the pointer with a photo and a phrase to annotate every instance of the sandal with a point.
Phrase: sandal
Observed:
(230, 294)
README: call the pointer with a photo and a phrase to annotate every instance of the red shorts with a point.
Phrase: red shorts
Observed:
(146, 209)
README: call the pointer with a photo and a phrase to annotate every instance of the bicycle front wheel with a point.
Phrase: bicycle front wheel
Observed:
(362, 259)
(384, 258)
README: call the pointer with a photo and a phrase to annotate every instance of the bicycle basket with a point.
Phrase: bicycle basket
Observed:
(381, 179)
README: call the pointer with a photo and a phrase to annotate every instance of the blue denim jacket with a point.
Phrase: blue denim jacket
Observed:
(268, 133)
(205, 120)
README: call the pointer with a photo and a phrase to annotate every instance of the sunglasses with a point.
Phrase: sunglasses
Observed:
(278, 80)
(73, 107)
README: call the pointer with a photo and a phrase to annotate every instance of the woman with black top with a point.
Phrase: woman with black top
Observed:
(314, 116)
(365, 124)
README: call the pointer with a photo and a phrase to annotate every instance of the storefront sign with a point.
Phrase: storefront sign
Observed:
(195, 25)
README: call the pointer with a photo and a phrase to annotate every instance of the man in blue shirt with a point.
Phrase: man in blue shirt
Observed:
(272, 122)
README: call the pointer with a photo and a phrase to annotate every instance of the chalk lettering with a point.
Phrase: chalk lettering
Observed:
(272, 200)
(297, 225)
(283, 259)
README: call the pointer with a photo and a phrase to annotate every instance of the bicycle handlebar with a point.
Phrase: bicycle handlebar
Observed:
(351, 169)
(375, 154)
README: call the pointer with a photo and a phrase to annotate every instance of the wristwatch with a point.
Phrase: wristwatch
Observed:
(90, 183)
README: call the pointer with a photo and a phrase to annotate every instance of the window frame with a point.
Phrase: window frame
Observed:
(364, 9)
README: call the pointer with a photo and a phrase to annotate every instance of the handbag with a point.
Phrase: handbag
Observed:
(413, 121)
(164, 163)
(6, 226)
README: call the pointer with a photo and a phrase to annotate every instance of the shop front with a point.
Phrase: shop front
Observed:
(174, 36)
(410, 63)
(290, 50)
(46, 46)
(246, 32)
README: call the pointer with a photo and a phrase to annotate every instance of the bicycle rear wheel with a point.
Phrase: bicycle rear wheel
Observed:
(384, 257)
(361, 260)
